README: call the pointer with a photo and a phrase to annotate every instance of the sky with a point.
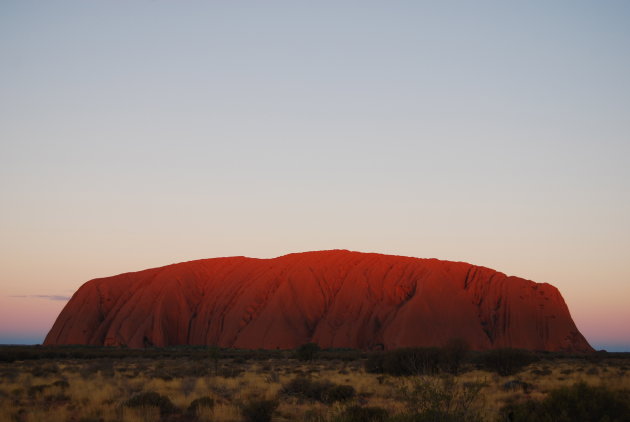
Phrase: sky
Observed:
(135, 134)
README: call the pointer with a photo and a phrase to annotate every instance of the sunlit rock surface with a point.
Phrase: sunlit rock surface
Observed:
(334, 298)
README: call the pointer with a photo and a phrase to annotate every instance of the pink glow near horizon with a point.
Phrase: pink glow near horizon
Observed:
(29, 316)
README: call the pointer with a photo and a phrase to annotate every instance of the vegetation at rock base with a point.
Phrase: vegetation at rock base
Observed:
(307, 351)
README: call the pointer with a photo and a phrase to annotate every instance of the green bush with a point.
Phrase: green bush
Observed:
(407, 361)
(322, 391)
(335, 393)
(259, 410)
(506, 361)
(579, 402)
(305, 387)
(454, 355)
(152, 399)
(307, 351)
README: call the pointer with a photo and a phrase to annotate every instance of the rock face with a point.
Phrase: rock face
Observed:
(334, 298)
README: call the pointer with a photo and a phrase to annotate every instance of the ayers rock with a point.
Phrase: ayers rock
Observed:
(334, 298)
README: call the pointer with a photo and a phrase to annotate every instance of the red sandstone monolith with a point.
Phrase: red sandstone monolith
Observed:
(334, 298)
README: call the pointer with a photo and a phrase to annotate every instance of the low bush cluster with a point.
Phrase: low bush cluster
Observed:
(259, 410)
(197, 353)
(307, 351)
(506, 362)
(409, 361)
(449, 359)
(414, 361)
(152, 399)
(442, 400)
(579, 402)
(322, 391)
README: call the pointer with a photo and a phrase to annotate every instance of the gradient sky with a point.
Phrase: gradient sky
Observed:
(135, 134)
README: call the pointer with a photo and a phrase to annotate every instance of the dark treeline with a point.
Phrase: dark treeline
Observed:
(11, 353)
(451, 358)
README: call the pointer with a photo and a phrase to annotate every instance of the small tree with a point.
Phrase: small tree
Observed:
(454, 355)
(442, 400)
(506, 361)
(307, 351)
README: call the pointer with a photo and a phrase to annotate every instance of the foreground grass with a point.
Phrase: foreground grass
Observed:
(236, 388)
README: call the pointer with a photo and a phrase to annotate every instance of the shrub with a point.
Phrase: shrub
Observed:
(259, 410)
(104, 366)
(442, 400)
(152, 399)
(335, 393)
(301, 386)
(45, 370)
(506, 361)
(542, 371)
(374, 363)
(37, 389)
(515, 385)
(592, 371)
(201, 402)
(579, 402)
(229, 372)
(273, 376)
(61, 384)
(453, 356)
(323, 391)
(307, 351)
(407, 361)
(315, 415)
(362, 414)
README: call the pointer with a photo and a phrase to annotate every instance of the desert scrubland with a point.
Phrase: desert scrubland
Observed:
(209, 384)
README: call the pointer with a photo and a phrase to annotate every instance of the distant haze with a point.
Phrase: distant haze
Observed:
(138, 134)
